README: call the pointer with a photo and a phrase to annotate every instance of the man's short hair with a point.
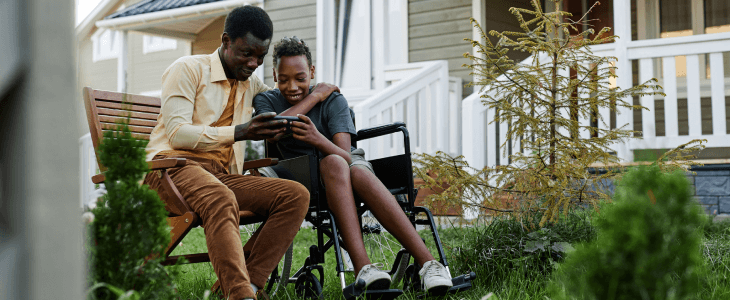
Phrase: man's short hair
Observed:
(248, 18)
(291, 47)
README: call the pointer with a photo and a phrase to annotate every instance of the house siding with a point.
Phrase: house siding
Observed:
(100, 75)
(436, 31)
(209, 38)
(291, 19)
(144, 71)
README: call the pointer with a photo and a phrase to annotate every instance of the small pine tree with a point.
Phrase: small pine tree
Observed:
(542, 100)
(648, 244)
(129, 233)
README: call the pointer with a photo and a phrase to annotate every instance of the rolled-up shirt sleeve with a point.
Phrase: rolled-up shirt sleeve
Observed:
(179, 87)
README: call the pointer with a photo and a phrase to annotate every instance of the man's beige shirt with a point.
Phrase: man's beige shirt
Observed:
(194, 93)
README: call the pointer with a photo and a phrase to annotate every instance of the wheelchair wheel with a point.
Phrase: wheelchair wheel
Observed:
(279, 278)
(308, 287)
(381, 246)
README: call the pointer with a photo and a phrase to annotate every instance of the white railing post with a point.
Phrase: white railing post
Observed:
(492, 140)
(472, 131)
(442, 107)
(693, 96)
(646, 72)
(86, 184)
(717, 78)
(454, 119)
(89, 193)
(671, 122)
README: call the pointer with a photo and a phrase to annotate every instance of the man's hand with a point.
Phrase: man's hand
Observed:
(323, 90)
(305, 131)
(260, 127)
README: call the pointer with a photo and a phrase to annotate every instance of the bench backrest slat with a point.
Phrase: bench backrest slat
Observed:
(104, 109)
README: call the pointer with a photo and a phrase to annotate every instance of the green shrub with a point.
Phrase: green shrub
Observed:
(129, 233)
(647, 245)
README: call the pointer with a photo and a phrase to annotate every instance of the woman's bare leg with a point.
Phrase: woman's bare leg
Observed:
(386, 209)
(335, 173)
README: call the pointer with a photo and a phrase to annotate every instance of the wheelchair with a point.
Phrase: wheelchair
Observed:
(396, 174)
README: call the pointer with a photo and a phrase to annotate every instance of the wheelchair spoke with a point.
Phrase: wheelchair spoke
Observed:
(380, 245)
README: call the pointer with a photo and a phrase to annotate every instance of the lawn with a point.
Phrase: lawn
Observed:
(495, 251)
(196, 278)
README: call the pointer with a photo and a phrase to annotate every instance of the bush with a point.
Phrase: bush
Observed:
(647, 245)
(129, 234)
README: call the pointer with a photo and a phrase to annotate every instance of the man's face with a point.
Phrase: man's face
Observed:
(293, 75)
(243, 55)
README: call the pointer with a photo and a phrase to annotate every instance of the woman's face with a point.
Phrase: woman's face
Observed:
(293, 75)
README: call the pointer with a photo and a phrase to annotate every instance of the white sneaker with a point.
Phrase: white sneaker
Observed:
(435, 279)
(374, 278)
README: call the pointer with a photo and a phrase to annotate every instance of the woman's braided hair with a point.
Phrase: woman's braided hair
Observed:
(292, 46)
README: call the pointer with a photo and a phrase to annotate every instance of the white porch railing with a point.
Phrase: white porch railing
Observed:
(481, 148)
(89, 191)
(425, 98)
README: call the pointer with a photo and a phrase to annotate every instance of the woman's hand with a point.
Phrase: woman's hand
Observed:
(305, 131)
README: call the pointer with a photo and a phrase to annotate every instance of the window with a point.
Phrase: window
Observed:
(106, 44)
(717, 16)
(676, 17)
(155, 43)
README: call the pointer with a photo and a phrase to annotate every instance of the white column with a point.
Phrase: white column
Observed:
(478, 12)
(622, 28)
(378, 35)
(397, 32)
(326, 41)
(122, 62)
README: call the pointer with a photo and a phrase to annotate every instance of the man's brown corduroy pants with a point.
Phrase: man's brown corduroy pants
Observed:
(217, 196)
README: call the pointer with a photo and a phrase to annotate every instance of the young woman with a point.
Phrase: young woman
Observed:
(328, 126)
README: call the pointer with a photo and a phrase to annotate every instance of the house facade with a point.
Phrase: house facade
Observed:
(401, 60)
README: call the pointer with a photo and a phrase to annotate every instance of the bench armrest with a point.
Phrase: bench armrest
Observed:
(167, 163)
(155, 164)
(260, 163)
(379, 130)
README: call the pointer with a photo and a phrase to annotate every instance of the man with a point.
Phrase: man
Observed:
(206, 110)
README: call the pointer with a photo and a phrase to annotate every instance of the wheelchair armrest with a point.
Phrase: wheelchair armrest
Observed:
(379, 130)
(155, 164)
(260, 163)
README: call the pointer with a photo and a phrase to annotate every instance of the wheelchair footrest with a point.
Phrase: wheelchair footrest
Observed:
(355, 291)
(460, 284)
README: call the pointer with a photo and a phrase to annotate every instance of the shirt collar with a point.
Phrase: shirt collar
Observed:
(216, 67)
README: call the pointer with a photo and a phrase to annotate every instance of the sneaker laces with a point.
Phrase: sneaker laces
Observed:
(431, 270)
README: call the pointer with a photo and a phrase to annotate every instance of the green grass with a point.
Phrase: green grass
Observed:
(496, 252)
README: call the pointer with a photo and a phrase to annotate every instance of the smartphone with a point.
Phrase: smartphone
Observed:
(288, 119)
